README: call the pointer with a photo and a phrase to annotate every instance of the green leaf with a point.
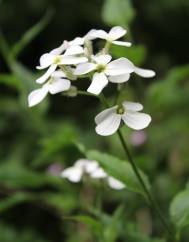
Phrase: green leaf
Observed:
(18, 176)
(179, 209)
(94, 224)
(30, 34)
(118, 12)
(137, 53)
(120, 169)
(112, 228)
(14, 200)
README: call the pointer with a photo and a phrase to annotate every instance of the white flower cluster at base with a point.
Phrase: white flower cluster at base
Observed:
(75, 59)
(93, 170)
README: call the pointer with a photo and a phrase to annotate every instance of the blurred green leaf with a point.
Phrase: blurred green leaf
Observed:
(112, 228)
(17, 176)
(30, 34)
(118, 12)
(120, 169)
(93, 223)
(137, 53)
(179, 209)
(14, 200)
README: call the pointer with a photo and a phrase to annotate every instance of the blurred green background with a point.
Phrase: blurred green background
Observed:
(36, 144)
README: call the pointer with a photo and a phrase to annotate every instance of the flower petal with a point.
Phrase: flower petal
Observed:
(74, 50)
(91, 35)
(122, 43)
(73, 174)
(37, 96)
(116, 33)
(136, 120)
(99, 81)
(98, 173)
(59, 85)
(47, 74)
(102, 59)
(45, 61)
(84, 68)
(144, 72)
(101, 34)
(91, 166)
(60, 49)
(119, 78)
(119, 67)
(58, 73)
(132, 106)
(109, 125)
(77, 41)
(115, 184)
(73, 60)
(104, 114)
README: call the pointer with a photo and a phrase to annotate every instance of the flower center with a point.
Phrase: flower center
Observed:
(120, 109)
(101, 68)
(57, 59)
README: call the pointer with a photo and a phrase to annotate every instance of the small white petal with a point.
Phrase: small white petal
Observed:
(77, 41)
(109, 125)
(144, 72)
(98, 173)
(47, 74)
(132, 106)
(119, 67)
(58, 73)
(122, 43)
(119, 78)
(91, 166)
(90, 35)
(115, 184)
(74, 50)
(101, 34)
(116, 33)
(81, 163)
(102, 59)
(59, 85)
(99, 81)
(84, 68)
(45, 61)
(73, 174)
(60, 49)
(71, 60)
(136, 120)
(37, 96)
(104, 114)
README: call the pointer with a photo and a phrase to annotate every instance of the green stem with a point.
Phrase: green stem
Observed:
(151, 200)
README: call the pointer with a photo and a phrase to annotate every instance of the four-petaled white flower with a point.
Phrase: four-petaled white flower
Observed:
(105, 71)
(55, 84)
(112, 36)
(55, 58)
(108, 121)
(93, 170)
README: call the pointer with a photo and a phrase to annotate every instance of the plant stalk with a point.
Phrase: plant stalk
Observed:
(151, 200)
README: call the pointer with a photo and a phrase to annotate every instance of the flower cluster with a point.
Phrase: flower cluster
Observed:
(91, 169)
(75, 59)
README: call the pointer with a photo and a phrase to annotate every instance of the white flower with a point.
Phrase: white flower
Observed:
(82, 166)
(109, 120)
(55, 58)
(115, 71)
(112, 36)
(93, 170)
(56, 83)
(114, 183)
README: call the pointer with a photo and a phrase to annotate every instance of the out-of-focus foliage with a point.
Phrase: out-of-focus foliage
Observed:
(36, 144)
